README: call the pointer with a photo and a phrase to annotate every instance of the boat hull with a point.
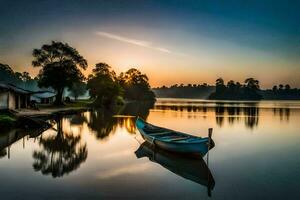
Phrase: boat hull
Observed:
(200, 147)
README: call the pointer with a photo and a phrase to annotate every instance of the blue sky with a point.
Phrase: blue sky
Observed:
(172, 41)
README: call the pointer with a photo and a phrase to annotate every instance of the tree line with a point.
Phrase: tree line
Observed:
(232, 90)
(249, 90)
(61, 67)
(21, 79)
(201, 91)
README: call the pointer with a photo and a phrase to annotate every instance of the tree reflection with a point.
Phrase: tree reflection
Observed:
(283, 113)
(251, 116)
(104, 123)
(133, 110)
(78, 119)
(3, 153)
(250, 112)
(233, 112)
(220, 110)
(60, 154)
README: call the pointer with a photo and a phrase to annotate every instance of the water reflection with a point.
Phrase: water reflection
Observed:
(249, 112)
(60, 154)
(243, 161)
(8, 138)
(191, 168)
(3, 153)
(140, 109)
(283, 113)
(105, 121)
(232, 112)
(102, 123)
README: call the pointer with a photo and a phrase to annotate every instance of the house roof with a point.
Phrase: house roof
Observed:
(11, 87)
(45, 94)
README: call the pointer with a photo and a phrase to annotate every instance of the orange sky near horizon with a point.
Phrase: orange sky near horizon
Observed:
(173, 42)
(164, 68)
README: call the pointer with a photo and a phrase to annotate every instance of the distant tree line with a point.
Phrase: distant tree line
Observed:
(23, 80)
(249, 90)
(201, 91)
(282, 92)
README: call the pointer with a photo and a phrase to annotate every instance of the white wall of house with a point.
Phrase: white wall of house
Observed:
(12, 100)
(3, 100)
(8, 100)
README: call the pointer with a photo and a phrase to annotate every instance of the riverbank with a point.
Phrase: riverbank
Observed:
(7, 120)
(47, 110)
(25, 118)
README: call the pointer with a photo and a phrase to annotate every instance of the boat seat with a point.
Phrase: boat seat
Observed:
(179, 138)
(152, 129)
(160, 133)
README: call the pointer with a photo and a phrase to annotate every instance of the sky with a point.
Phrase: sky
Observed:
(172, 41)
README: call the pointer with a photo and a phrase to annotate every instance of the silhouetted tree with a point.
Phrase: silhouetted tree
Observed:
(280, 87)
(252, 84)
(231, 85)
(103, 85)
(287, 87)
(136, 85)
(61, 66)
(236, 90)
(220, 87)
(175, 91)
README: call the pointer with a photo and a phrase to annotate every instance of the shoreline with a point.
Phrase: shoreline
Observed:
(30, 118)
(222, 100)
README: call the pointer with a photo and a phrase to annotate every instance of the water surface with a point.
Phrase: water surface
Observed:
(99, 155)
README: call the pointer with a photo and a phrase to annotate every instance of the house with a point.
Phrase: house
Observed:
(13, 97)
(46, 97)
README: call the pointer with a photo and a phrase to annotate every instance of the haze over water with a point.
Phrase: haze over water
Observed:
(256, 154)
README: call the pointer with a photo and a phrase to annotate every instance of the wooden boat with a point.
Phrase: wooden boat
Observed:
(190, 168)
(173, 140)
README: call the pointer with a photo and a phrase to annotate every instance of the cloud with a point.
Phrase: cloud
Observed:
(128, 169)
(141, 43)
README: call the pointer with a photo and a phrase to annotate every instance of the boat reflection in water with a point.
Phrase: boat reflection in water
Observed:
(189, 167)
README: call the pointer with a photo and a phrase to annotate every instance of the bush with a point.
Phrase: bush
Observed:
(7, 121)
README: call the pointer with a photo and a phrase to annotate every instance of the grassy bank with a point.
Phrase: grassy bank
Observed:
(7, 120)
(74, 104)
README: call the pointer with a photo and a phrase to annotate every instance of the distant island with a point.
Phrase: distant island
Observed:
(193, 91)
(249, 90)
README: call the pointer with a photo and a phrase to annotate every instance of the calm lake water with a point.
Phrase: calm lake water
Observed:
(96, 155)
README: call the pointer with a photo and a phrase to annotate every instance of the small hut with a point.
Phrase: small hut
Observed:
(46, 97)
(13, 97)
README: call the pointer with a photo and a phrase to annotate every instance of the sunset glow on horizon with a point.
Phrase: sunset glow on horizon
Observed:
(173, 42)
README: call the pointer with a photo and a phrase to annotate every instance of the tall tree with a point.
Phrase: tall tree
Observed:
(274, 89)
(287, 87)
(220, 87)
(252, 84)
(136, 85)
(103, 85)
(61, 66)
(231, 85)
